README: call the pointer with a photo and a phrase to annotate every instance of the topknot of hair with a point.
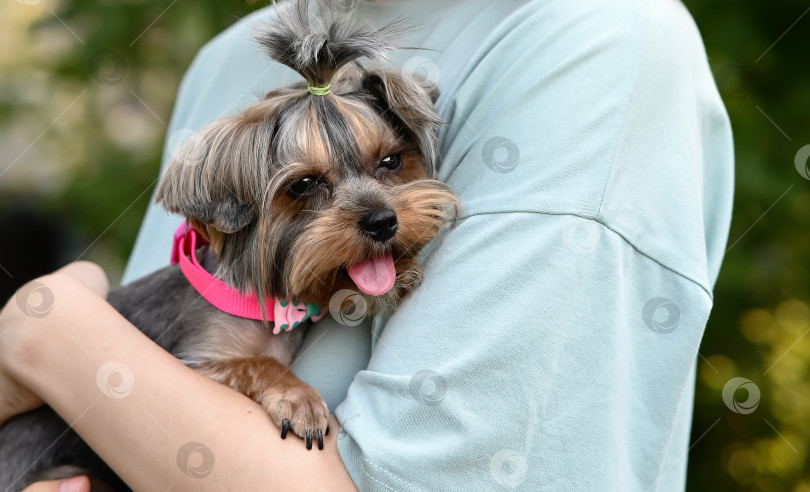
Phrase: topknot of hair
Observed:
(317, 46)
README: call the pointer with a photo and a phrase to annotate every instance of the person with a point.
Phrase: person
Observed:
(553, 343)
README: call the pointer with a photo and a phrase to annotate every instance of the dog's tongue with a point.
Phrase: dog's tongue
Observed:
(375, 277)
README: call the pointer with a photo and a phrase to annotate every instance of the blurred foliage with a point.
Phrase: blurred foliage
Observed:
(86, 89)
(760, 322)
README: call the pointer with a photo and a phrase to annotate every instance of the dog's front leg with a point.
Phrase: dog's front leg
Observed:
(290, 402)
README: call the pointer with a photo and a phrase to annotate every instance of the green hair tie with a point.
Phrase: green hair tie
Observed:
(320, 91)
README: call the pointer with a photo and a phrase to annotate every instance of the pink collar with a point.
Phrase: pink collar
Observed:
(285, 314)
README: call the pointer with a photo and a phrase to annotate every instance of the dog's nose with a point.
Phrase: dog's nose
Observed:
(380, 225)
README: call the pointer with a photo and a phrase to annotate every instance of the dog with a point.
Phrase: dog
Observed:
(318, 187)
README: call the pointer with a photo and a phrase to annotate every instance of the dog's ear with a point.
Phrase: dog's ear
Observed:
(407, 101)
(218, 174)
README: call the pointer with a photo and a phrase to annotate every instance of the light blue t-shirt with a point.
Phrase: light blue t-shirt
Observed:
(553, 343)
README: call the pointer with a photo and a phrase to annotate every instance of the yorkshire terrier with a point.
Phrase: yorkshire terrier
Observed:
(318, 187)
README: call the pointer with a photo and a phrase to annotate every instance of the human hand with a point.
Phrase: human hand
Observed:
(75, 484)
(31, 303)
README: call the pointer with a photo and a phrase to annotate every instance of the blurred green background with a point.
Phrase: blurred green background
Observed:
(86, 90)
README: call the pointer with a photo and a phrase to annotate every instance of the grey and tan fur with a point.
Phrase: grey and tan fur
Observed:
(288, 193)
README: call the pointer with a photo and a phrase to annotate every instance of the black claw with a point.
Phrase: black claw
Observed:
(319, 434)
(327, 430)
(285, 426)
(309, 439)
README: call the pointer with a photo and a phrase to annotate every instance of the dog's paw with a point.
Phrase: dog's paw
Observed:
(291, 403)
(300, 408)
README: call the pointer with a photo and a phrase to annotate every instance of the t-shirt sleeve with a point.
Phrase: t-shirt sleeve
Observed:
(542, 350)
(552, 344)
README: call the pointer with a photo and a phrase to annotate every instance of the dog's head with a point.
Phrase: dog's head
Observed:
(302, 194)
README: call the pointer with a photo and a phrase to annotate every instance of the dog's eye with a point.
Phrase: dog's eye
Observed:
(303, 186)
(391, 162)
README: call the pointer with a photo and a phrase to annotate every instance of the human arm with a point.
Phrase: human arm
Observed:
(58, 357)
(15, 397)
